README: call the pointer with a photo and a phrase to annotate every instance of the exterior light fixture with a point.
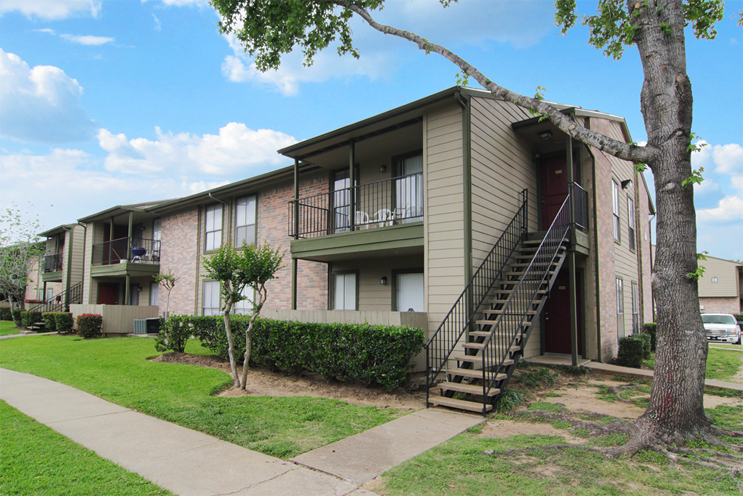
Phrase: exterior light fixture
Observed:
(383, 168)
(545, 135)
(626, 183)
(383, 281)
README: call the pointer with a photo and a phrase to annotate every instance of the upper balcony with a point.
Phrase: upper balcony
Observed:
(351, 219)
(52, 268)
(126, 256)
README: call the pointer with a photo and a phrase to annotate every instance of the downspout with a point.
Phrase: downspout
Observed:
(85, 242)
(68, 266)
(296, 232)
(464, 103)
(571, 260)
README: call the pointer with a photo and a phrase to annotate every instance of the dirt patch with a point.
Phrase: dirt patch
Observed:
(263, 382)
(507, 428)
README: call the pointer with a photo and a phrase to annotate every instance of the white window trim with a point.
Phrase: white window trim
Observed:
(615, 211)
(215, 212)
(248, 223)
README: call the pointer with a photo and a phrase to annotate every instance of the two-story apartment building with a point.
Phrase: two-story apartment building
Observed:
(721, 286)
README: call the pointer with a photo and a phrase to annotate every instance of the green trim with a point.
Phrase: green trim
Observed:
(393, 237)
(294, 283)
(55, 276)
(124, 269)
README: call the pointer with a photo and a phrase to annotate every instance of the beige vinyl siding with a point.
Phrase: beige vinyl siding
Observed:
(76, 243)
(444, 226)
(95, 234)
(726, 273)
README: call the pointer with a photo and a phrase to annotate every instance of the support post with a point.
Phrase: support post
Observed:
(129, 238)
(573, 309)
(294, 283)
(352, 188)
(127, 291)
(296, 199)
(571, 182)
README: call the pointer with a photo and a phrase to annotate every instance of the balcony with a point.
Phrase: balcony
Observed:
(52, 271)
(385, 203)
(126, 256)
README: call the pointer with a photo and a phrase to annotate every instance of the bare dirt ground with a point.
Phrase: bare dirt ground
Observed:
(579, 395)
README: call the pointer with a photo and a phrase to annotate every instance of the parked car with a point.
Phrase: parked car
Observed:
(721, 327)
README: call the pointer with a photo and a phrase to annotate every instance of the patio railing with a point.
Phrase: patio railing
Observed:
(379, 204)
(53, 263)
(132, 250)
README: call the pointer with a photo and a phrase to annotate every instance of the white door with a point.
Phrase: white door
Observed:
(410, 292)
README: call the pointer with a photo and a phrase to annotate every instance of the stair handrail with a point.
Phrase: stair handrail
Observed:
(556, 234)
(74, 292)
(448, 332)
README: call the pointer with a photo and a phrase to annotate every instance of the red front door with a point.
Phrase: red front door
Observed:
(554, 184)
(108, 293)
(557, 317)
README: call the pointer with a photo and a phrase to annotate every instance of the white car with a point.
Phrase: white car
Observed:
(721, 327)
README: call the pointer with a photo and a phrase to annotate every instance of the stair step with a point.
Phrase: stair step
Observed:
(492, 322)
(484, 334)
(466, 388)
(477, 359)
(513, 273)
(498, 312)
(479, 346)
(526, 264)
(541, 291)
(470, 406)
(474, 373)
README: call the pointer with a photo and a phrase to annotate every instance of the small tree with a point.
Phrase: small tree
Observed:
(167, 281)
(236, 269)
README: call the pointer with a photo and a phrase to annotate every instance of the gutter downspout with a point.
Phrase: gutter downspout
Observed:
(68, 265)
(85, 242)
(296, 233)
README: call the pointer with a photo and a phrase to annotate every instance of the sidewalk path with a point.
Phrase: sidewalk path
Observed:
(649, 374)
(190, 463)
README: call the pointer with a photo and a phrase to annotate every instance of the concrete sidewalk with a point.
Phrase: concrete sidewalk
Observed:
(190, 463)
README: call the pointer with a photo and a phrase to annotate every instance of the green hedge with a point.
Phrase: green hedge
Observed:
(174, 334)
(650, 329)
(50, 323)
(63, 322)
(17, 317)
(369, 354)
(631, 351)
(646, 348)
(89, 325)
(29, 318)
(5, 313)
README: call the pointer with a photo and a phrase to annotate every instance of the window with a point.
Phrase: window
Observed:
(213, 222)
(409, 189)
(245, 221)
(635, 308)
(157, 231)
(244, 307)
(344, 291)
(409, 292)
(615, 208)
(620, 296)
(631, 222)
(154, 293)
(210, 298)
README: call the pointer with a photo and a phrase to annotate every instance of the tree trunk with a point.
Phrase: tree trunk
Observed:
(248, 336)
(676, 410)
(230, 342)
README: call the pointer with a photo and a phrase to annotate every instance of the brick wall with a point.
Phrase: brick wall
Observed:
(720, 305)
(273, 227)
(179, 253)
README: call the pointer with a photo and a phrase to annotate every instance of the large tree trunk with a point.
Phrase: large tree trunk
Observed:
(676, 412)
(248, 334)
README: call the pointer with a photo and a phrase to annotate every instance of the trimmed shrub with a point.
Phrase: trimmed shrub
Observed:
(646, 338)
(174, 334)
(17, 317)
(50, 323)
(650, 329)
(89, 325)
(63, 322)
(369, 354)
(631, 351)
(5, 313)
(29, 318)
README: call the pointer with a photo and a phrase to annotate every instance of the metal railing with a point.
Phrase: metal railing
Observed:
(462, 314)
(61, 302)
(133, 250)
(53, 263)
(512, 323)
(580, 202)
(379, 204)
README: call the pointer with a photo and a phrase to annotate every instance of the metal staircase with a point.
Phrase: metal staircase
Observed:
(61, 301)
(478, 355)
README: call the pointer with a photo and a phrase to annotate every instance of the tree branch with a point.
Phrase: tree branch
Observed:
(619, 149)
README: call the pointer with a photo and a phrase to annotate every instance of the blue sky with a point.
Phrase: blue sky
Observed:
(113, 102)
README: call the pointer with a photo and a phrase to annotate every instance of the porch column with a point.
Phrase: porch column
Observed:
(129, 238)
(352, 190)
(294, 283)
(573, 309)
(571, 181)
(127, 291)
(296, 199)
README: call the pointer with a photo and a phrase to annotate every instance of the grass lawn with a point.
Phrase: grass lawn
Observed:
(721, 364)
(7, 327)
(38, 460)
(117, 370)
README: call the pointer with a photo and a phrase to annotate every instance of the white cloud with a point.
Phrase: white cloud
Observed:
(730, 208)
(40, 104)
(45, 30)
(235, 149)
(86, 40)
(184, 3)
(729, 158)
(725, 163)
(51, 9)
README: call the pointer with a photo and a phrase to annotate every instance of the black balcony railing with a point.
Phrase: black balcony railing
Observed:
(133, 250)
(53, 263)
(379, 204)
(580, 199)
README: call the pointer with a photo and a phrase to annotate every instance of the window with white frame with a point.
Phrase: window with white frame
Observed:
(213, 223)
(344, 291)
(245, 221)
(620, 296)
(631, 222)
(615, 208)
(244, 307)
(635, 308)
(154, 293)
(210, 298)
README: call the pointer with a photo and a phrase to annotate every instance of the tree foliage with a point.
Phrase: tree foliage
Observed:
(250, 266)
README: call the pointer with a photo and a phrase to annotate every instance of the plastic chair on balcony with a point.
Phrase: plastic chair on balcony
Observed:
(361, 219)
(384, 217)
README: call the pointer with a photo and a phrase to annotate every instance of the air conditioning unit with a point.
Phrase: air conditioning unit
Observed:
(140, 326)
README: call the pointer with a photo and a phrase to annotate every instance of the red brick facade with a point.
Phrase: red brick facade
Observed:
(179, 254)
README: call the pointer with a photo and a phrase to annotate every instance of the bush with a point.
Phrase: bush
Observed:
(646, 339)
(631, 351)
(63, 322)
(50, 323)
(650, 329)
(17, 317)
(5, 313)
(174, 334)
(369, 354)
(89, 325)
(29, 318)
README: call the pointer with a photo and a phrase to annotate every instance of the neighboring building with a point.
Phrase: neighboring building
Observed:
(721, 287)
